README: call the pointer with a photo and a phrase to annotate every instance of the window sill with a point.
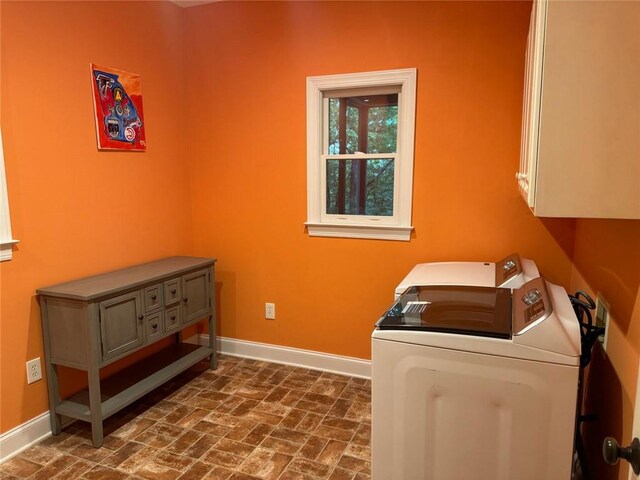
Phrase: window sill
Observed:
(373, 232)
(6, 249)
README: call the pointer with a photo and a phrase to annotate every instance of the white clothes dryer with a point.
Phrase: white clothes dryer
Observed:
(475, 382)
(510, 272)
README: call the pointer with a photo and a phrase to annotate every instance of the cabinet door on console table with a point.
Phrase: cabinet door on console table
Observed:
(121, 324)
(197, 297)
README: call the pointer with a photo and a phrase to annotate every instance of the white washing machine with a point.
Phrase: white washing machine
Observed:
(510, 272)
(475, 382)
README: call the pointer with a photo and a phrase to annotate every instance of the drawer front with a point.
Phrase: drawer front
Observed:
(155, 326)
(196, 301)
(152, 297)
(172, 291)
(172, 318)
(121, 324)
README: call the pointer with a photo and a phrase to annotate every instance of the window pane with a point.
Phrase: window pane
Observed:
(352, 130)
(360, 187)
(366, 124)
(383, 128)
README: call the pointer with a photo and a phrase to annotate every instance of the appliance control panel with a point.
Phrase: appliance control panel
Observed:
(507, 268)
(531, 305)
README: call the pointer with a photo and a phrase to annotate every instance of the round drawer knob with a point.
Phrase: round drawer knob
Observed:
(140, 317)
(173, 291)
(173, 317)
(153, 297)
(154, 326)
(185, 300)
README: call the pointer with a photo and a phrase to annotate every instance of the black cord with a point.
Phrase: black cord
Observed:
(582, 305)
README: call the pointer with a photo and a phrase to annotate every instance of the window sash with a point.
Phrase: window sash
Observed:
(370, 91)
(348, 218)
(362, 92)
(359, 219)
(319, 224)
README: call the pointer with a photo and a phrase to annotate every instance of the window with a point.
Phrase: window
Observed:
(360, 131)
(6, 242)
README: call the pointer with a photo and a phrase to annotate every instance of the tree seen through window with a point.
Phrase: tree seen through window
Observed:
(361, 125)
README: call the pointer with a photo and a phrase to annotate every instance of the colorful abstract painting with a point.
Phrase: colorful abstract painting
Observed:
(117, 99)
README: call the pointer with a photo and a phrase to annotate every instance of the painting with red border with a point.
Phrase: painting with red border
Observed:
(117, 97)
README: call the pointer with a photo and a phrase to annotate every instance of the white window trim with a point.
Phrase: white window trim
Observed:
(319, 224)
(6, 240)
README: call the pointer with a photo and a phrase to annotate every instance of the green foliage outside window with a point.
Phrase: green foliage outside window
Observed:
(378, 192)
(362, 187)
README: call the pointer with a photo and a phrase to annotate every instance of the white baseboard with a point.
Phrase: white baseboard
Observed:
(23, 436)
(354, 367)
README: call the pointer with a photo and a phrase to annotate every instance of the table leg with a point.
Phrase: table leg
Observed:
(212, 343)
(95, 406)
(54, 398)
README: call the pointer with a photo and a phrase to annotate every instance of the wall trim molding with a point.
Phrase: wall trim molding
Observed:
(23, 436)
(327, 362)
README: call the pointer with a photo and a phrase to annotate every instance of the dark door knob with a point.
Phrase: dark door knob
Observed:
(153, 297)
(173, 291)
(612, 452)
(140, 317)
(154, 326)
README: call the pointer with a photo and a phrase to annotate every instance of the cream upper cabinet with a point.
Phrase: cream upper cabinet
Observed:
(580, 152)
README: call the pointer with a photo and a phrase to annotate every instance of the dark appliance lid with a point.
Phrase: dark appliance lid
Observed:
(466, 310)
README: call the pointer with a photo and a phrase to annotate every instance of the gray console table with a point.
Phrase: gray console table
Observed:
(92, 322)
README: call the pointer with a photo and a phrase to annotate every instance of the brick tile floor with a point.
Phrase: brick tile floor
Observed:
(246, 420)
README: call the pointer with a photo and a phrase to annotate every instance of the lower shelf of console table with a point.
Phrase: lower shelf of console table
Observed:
(135, 381)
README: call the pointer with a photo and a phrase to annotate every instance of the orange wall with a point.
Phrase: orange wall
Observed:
(78, 211)
(246, 141)
(224, 99)
(607, 260)
(246, 68)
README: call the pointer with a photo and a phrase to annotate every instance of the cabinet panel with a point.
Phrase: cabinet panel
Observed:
(172, 291)
(155, 326)
(580, 145)
(173, 318)
(69, 332)
(195, 287)
(531, 104)
(152, 297)
(121, 324)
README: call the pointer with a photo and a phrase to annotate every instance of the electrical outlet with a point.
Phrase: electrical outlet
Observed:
(34, 370)
(270, 311)
(602, 319)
